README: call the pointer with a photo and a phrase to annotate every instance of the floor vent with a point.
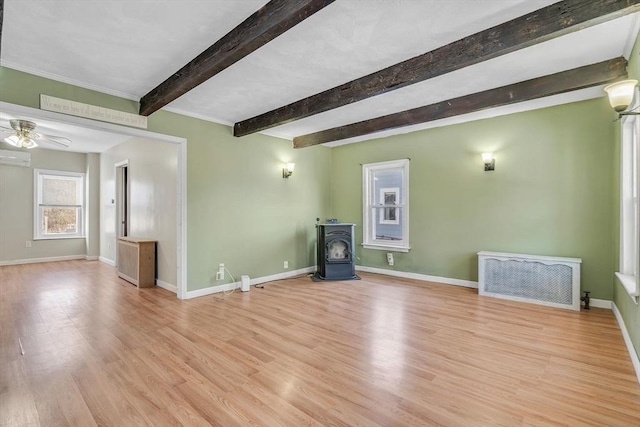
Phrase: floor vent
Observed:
(544, 280)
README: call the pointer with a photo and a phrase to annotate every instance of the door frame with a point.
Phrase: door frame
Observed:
(181, 172)
(122, 200)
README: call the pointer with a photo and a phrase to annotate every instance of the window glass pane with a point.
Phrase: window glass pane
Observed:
(391, 180)
(59, 221)
(390, 214)
(338, 249)
(387, 230)
(389, 197)
(59, 191)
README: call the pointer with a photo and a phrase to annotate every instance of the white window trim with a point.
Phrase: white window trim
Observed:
(403, 204)
(629, 284)
(629, 242)
(383, 191)
(37, 192)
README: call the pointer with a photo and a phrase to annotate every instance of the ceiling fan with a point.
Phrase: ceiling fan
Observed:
(24, 135)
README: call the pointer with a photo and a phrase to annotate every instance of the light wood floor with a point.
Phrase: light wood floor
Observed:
(376, 352)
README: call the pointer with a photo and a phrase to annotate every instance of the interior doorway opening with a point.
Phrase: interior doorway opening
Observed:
(81, 123)
(122, 199)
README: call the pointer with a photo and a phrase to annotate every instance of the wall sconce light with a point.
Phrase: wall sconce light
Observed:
(489, 161)
(621, 95)
(287, 171)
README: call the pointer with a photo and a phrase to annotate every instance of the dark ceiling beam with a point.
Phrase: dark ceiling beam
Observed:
(544, 24)
(554, 84)
(273, 19)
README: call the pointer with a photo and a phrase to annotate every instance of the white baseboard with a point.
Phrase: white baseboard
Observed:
(418, 276)
(111, 262)
(159, 283)
(256, 281)
(91, 258)
(211, 290)
(280, 276)
(38, 260)
(167, 286)
(635, 361)
(595, 302)
(600, 303)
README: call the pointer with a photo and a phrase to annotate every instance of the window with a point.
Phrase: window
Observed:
(629, 215)
(389, 196)
(59, 204)
(386, 205)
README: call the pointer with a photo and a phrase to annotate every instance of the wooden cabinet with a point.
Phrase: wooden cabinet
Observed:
(137, 261)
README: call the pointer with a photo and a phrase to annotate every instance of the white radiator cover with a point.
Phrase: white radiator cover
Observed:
(545, 280)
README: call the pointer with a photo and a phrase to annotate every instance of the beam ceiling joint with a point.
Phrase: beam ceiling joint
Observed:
(554, 84)
(271, 21)
(544, 24)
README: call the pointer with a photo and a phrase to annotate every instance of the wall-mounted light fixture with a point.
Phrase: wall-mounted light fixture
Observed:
(489, 161)
(621, 95)
(287, 171)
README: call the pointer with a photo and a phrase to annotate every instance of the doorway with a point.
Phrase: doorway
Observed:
(122, 199)
(181, 172)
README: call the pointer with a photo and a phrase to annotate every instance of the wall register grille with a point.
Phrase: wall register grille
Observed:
(551, 281)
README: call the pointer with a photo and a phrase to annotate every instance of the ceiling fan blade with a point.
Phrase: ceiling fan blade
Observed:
(6, 129)
(57, 140)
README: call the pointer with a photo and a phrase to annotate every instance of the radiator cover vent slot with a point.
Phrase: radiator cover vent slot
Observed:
(552, 281)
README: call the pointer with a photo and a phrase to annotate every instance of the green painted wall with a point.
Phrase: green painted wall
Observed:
(549, 195)
(241, 211)
(629, 309)
(16, 207)
(554, 191)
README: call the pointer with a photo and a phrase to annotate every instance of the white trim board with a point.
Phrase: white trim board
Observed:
(159, 283)
(167, 286)
(181, 219)
(107, 91)
(418, 276)
(264, 279)
(635, 361)
(37, 113)
(39, 260)
(108, 261)
(181, 172)
(598, 303)
(72, 82)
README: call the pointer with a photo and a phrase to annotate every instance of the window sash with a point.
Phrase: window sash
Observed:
(373, 213)
(629, 214)
(45, 229)
(41, 221)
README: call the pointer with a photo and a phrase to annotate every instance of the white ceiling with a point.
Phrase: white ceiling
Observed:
(127, 47)
(84, 139)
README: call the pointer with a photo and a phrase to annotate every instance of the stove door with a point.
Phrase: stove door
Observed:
(338, 251)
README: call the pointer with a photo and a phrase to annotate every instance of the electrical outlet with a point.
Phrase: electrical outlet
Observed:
(390, 258)
(220, 272)
(286, 264)
(27, 244)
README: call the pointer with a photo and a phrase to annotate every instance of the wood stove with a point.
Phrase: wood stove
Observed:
(335, 252)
